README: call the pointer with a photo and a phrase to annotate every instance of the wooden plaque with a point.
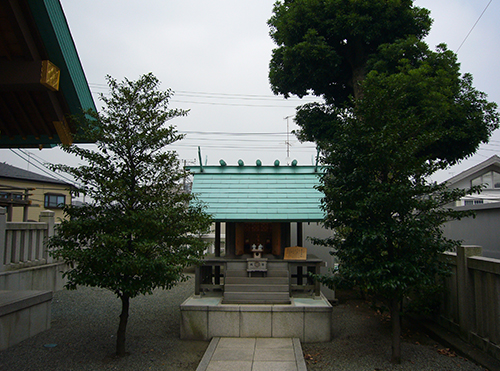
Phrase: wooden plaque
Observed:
(295, 253)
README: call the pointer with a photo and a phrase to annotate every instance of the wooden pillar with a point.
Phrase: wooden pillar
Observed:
(285, 237)
(230, 240)
(217, 253)
(299, 234)
(197, 280)
(299, 243)
(217, 239)
(25, 207)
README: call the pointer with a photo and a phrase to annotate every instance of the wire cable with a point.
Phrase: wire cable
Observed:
(466, 37)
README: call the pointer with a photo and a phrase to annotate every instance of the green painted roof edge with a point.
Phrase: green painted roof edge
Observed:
(54, 30)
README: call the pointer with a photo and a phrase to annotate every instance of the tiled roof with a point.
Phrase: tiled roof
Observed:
(259, 193)
(12, 172)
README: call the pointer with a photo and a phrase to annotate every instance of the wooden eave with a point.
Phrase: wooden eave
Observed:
(42, 83)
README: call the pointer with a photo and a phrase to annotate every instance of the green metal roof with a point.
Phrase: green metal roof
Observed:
(52, 25)
(259, 193)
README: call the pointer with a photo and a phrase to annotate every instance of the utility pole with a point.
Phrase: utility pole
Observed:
(287, 143)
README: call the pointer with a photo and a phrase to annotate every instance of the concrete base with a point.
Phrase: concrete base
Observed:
(308, 319)
(23, 314)
(40, 277)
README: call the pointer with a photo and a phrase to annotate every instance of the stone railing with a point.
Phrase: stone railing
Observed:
(22, 244)
(24, 261)
(471, 304)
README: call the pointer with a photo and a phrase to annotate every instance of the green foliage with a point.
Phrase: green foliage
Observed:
(139, 230)
(324, 45)
(394, 113)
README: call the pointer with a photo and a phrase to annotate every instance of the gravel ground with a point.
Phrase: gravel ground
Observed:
(361, 341)
(84, 324)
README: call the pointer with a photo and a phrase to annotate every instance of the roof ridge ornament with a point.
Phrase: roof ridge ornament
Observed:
(276, 162)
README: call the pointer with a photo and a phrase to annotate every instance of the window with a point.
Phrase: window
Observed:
(11, 196)
(473, 202)
(491, 180)
(54, 201)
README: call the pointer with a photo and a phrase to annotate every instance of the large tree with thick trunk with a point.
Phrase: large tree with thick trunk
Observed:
(138, 229)
(394, 113)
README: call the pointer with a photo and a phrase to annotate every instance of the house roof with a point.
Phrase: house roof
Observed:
(472, 172)
(15, 173)
(42, 81)
(259, 193)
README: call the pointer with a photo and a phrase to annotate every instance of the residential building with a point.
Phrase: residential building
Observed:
(25, 194)
(482, 229)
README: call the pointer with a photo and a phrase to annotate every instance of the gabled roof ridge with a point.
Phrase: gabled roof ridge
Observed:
(476, 168)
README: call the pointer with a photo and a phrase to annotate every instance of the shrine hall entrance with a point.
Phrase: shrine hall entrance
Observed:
(241, 236)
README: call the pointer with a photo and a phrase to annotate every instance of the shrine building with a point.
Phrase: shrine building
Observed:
(259, 285)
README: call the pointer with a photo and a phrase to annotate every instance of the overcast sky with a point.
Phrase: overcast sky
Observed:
(215, 56)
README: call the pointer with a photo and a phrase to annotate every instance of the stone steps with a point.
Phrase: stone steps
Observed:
(256, 288)
(241, 289)
(256, 298)
(244, 273)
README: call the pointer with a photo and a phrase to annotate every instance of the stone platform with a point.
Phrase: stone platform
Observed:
(23, 314)
(309, 319)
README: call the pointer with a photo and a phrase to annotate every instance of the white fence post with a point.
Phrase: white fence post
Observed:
(3, 245)
(48, 217)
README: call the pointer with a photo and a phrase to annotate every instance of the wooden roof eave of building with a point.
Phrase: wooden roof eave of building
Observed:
(42, 82)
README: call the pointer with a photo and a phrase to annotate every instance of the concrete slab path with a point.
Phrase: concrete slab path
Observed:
(253, 354)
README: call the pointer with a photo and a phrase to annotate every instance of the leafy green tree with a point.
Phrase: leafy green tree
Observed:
(139, 230)
(394, 113)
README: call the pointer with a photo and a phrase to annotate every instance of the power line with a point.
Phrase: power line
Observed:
(225, 96)
(44, 164)
(229, 133)
(39, 168)
(474, 25)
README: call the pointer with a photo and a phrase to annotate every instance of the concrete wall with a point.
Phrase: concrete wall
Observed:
(481, 230)
(316, 230)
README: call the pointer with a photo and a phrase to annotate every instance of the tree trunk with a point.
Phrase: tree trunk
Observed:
(396, 331)
(122, 327)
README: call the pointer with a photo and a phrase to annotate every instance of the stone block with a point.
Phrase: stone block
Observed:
(224, 322)
(274, 366)
(317, 325)
(288, 324)
(233, 354)
(10, 281)
(40, 281)
(23, 314)
(39, 318)
(283, 354)
(270, 343)
(5, 329)
(230, 366)
(255, 321)
(20, 326)
(194, 324)
(236, 343)
(26, 279)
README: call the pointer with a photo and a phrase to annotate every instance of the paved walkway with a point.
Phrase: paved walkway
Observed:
(253, 354)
